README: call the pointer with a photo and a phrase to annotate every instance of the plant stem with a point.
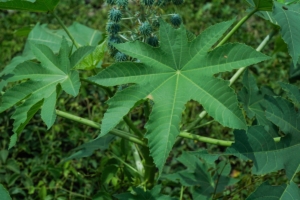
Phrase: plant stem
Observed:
(129, 166)
(133, 127)
(181, 192)
(211, 140)
(66, 30)
(138, 162)
(96, 125)
(219, 175)
(236, 27)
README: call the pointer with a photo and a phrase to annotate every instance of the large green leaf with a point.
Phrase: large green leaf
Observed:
(253, 102)
(41, 88)
(281, 192)
(288, 18)
(173, 74)
(29, 5)
(152, 194)
(4, 193)
(200, 173)
(41, 34)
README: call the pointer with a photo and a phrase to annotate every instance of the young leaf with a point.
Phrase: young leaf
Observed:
(144, 195)
(4, 193)
(197, 173)
(173, 74)
(293, 92)
(92, 61)
(253, 102)
(288, 19)
(41, 88)
(88, 148)
(284, 192)
(41, 34)
(29, 5)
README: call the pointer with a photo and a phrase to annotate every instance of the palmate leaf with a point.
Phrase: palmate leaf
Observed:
(282, 192)
(140, 194)
(199, 173)
(287, 17)
(253, 102)
(41, 34)
(29, 5)
(173, 74)
(41, 89)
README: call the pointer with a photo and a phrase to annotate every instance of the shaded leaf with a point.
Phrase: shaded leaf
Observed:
(87, 149)
(293, 92)
(282, 192)
(262, 5)
(173, 74)
(197, 173)
(253, 102)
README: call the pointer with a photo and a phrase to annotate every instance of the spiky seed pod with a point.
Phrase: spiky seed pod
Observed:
(177, 2)
(115, 15)
(111, 2)
(122, 3)
(112, 27)
(176, 20)
(113, 39)
(148, 2)
(155, 24)
(120, 57)
(145, 29)
(153, 41)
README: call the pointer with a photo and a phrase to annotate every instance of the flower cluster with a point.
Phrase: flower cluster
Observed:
(144, 23)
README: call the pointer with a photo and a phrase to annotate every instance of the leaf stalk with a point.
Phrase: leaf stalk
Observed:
(66, 30)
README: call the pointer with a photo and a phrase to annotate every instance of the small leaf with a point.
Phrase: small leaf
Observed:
(93, 59)
(108, 173)
(262, 5)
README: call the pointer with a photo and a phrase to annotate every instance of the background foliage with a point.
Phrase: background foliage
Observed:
(33, 168)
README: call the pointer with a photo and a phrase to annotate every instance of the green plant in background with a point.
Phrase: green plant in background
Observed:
(159, 67)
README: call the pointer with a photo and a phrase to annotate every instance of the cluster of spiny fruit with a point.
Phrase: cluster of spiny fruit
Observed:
(144, 23)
